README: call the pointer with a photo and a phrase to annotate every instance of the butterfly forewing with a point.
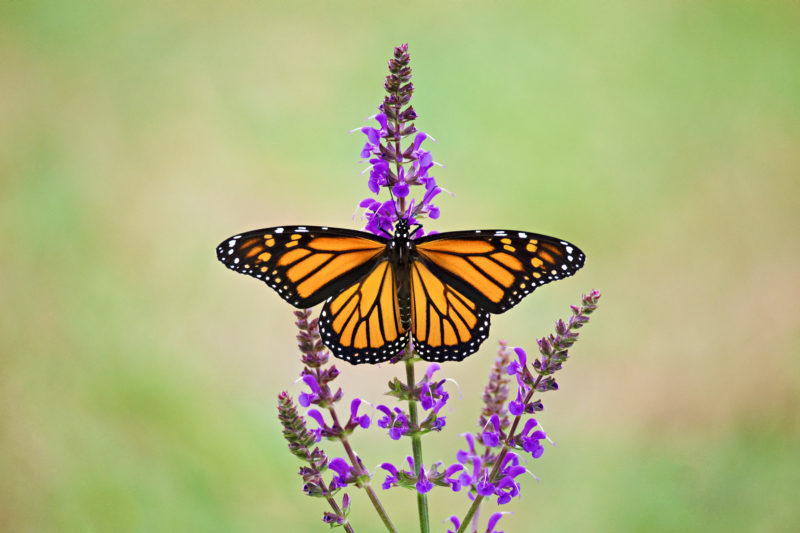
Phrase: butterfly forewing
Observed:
(303, 264)
(362, 323)
(496, 269)
(446, 325)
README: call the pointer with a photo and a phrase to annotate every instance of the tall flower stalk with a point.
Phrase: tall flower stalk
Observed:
(495, 472)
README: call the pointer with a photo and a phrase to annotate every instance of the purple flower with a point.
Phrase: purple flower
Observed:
(531, 443)
(396, 422)
(341, 467)
(484, 486)
(492, 438)
(423, 485)
(464, 456)
(456, 524)
(507, 489)
(493, 522)
(455, 484)
(391, 478)
(517, 407)
(316, 415)
(516, 367)
(305, 399)
(363, 421)
(401, 189)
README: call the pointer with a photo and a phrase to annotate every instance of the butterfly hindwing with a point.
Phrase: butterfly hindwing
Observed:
(446, 325)
(496, 269)
(362, 323)
(303, 264)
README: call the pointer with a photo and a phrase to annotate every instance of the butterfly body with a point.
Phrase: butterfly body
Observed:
(378, 292)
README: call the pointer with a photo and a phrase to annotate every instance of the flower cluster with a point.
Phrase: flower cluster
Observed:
(397, 477)
(428, 392)
(391, 166)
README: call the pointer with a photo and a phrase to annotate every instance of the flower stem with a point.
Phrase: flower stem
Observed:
(416, 447)
(361, 472)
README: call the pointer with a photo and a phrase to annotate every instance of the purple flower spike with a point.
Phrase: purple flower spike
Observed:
(423, 485)
(456, 524)
(493, 522)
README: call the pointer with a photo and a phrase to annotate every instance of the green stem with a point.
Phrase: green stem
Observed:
(416, 447)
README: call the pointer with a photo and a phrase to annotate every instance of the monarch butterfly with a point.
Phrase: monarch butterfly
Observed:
(440, 289)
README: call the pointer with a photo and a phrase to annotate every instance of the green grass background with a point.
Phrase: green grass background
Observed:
(138, 377)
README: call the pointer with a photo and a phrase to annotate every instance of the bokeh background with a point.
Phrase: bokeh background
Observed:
(138, 377)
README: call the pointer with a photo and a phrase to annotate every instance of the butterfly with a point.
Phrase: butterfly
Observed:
(439, 290)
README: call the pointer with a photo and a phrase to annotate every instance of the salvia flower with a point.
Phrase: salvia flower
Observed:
(393, 166)
(492, 438)
(531, 443)
(423, 485)
(355, 420)
(396, 421)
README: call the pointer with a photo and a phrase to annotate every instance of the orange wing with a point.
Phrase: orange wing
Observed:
(303, 264)
(447, 325)
(362, 323)
(496, 269)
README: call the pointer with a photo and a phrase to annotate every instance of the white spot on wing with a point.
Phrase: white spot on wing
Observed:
(279, 230)
(523, 235)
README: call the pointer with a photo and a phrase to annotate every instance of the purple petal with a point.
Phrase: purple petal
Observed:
(529, 425)
(389, 467)
(316, 415)
(311, 381)
(381, 118)
(433, 232)
(523, 357)
(456, 523)
(354, 405)
(516, 408)
(364, 421)
(401, 190)
(514, 471)
(453, 469)
(304, 399)
(418, 138)
(495, 420)
(385, 410)
(433, 367)
(493, 522)
(434, 213)
(340, 466)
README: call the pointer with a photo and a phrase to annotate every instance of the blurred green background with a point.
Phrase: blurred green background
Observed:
(138, 378)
